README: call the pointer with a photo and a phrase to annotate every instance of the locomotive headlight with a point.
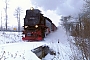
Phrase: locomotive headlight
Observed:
(31, 8)
(36, 26)
(26, 26)
(23, 35)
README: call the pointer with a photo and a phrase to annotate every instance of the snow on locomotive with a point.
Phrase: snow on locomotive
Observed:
(36, 26)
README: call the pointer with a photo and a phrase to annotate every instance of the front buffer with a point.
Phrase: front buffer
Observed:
(32, 35)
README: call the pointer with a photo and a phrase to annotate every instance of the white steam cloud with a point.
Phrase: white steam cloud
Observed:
(54, 9)
(62, 7)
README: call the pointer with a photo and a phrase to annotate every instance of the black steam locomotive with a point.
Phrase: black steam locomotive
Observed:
(36, 26)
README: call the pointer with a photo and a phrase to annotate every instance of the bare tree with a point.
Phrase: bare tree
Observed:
(87, 13)
(17, 13)
(6, 17)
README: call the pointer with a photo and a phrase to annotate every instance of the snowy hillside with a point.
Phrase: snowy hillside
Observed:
(13, 48)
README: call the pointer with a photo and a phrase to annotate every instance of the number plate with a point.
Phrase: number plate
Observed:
(28, 34)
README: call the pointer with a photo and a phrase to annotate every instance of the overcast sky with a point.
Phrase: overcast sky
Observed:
(50, 8)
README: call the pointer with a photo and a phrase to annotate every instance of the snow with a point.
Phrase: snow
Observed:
(13, 48)
(59, 34)
(18, 51)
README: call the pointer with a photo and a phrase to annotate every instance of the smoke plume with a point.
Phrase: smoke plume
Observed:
(62, 7)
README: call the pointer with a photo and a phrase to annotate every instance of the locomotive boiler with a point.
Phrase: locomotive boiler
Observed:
(36, 26)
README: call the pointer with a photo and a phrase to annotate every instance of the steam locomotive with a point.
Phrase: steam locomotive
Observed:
(36, 26)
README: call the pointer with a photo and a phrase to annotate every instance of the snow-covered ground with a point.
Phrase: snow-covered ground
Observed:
(13, 48)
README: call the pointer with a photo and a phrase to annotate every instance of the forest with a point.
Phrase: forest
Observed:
(79, 29)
